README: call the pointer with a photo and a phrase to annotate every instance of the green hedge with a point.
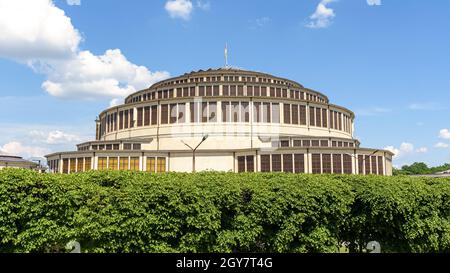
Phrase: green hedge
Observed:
(112, 211)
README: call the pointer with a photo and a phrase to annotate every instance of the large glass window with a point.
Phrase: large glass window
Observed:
(146, 116)
(181, 112)
(73, 165)
(287, 113)
(123, 163)
(265, 163)
(134, 163)
(374, 164)
(302, 115)
(113, 163)
(257, 112)
(235, 111)
(294, 114)
(139, 116)
(312, 114)
(120, 120)
(79, 164)
(194, 111)
(161, 164)
(326, 163)
(226, 111)
(241, 164)
(266, 112)
(337, 163)
(347, 164)
(151, 164)
(173, 113)
(287, 163)
(102, 163)
(367, 164)
(318, 117)
(276, 163)
(315, 163)
(380, 165)
(213, 112)
(324, 118)
(245, 112)
(87, 163)
(299, 163)
(154, 114)
(250, 163)
(164, 113)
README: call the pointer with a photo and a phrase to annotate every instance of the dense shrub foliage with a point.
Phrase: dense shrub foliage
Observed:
(221, 212)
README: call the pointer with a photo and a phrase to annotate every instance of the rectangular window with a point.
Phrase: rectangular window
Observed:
(284, 143)
(139, 116)
(287, 113)
(185, 92)
(179, 92)
(374, 165)
(73, 165)
(79, 164)
(173, 113)
(315, 143)
(154, 114)
(204, 111)
(294, 114)
(324, 143)
(87, 164)
(146, 116)
(151, 164)
(312, 113)
(112, 164)
(225, 90)
(272, 91)
(240, 90)
(101, 163)
(263, 91)
(216, 91)
(265, 112)
(120, 120)
(380, 165)
(302, 115)
(331, 119)
(360, 164)
(287, 163)
(348, 164)
(299, 163)
(367, 164)
(249, 91)
(306, 143)
(256, 91)
(134, 164)
(164, 113)
(201, 91)
(225, 111)
(318, 117)
(161, 165)
(340, 122)
(123, 163)
(265, 163)
(233, 90)
(315, 163)
(131, 118)
(250, 163)
(235, 111)
(297, 143)
(275, 112)
(136, 146)
(245, 112)
(212, 112)
(209, 90)
(126, 114)
(326, 163)
(192, 91)
(257, 112)
(276, 163)
(241, 164)
(337, 163)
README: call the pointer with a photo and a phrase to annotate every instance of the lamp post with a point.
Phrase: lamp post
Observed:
(194, 149)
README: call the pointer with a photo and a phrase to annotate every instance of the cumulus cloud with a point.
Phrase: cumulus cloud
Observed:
(90, 76)
(35, 29)
(73, 2)
(444, 133)
(422, 150)
(204, 5)
(40, 34)
(179, 9)
(441, 145)
(54, 137)
(323, 15)
(17, 148)
(404, 149)
(374, 2)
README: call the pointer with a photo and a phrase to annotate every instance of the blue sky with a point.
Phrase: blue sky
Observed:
(63, 62)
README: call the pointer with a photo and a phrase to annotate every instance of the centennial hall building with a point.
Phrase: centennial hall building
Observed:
(225, 119)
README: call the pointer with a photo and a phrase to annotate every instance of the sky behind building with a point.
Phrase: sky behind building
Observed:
(62, 62)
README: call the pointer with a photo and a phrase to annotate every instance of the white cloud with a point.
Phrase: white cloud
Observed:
(404, 149)
(73, 2)
(35, 30)
(40, 34)
(422, 150)
(203, 5)
(54, 137)
(374, 2)
(179, 9)
(444, 133)
(323, 15)
(89, 76)
(441, 145)
(427, 106)
(17, 148)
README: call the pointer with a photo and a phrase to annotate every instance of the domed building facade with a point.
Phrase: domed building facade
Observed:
(225, 120)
